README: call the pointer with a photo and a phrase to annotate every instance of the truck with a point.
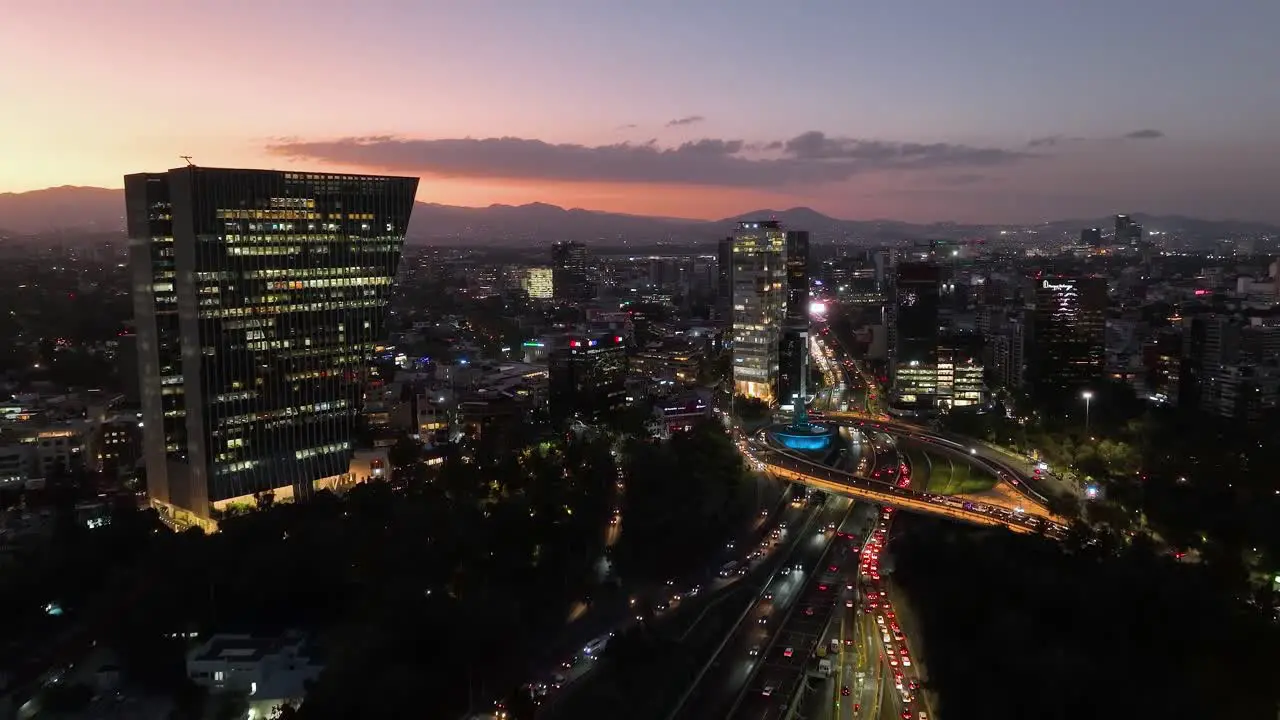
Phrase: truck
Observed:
(824, 667)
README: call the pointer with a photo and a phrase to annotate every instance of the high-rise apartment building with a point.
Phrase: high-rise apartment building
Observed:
(759, 307)
(793, 363)
(1067, 348)
(258, 296)
(569, 272)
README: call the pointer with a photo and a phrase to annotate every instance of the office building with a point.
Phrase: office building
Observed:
(569, 272)
(759, 307)
(1067, 348)
(1128, 232)
(793, 360)
(539, 283)
(916, 320)
(724, 280)
(258, 297)
(587, 377)
(1091, 237)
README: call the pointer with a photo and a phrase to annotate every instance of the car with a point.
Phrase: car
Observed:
(788, 652)
(906, 715)
(906, 661)
(768, 596)
(755, 650)
(893, 661)
(768, 690)
(783, 524)
(845, 691)
(558, 681)
(848, 603)
(808, 611)
(764, 621)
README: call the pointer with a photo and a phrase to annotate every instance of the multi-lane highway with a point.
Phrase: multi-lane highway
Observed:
(802, 648)
(748, 644)
(800, 469)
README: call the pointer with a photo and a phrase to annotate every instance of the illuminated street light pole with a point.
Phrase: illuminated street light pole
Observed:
(1087, 395)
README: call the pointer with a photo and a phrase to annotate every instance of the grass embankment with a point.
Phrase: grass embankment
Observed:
(942, 474)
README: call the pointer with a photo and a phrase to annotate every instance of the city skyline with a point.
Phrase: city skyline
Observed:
(934, 112)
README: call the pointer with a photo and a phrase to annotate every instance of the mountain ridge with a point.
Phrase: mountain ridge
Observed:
(72, 208)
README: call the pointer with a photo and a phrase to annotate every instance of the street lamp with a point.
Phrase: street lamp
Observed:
(1087, 395)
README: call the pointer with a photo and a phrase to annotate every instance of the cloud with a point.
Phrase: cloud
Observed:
(1147, 134)
(961, 179)
(809, 158)
(628, 126)
(1053, 141)
(1059, 140)
(687, 120)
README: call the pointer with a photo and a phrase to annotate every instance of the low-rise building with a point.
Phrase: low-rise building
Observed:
(269, 671)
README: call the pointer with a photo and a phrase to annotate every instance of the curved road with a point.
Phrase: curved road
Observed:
(814, 474)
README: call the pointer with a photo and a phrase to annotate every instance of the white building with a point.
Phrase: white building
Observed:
(269, 671)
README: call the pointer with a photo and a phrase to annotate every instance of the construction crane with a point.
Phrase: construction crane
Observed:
(188, 159)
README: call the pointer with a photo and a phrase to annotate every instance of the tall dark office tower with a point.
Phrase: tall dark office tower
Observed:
(588, 376)
(569, 272)
(793, 360)
(1068, 331)
(1091, 237)
(917, 318)
(724, 279)
(158, 346)
(1128, 232)
(259, 296)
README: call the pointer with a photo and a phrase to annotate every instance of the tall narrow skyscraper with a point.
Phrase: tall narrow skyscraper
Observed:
(259, 296)
(569, 272)
(916, 318)
(759, 307)
(793, 362)
(724, 279)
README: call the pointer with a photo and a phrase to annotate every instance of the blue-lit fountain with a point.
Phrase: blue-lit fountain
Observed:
(801, 434)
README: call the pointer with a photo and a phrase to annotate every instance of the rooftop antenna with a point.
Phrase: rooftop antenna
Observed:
(188, 159)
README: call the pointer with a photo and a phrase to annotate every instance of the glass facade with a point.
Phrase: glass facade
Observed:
(759, 307)
(588, 376)
(569, 272)
(794, 347)
(282, 284)
(1069, 329)
(917, 320)
(152, 266)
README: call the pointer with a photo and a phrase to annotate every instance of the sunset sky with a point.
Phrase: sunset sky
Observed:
(973, 110)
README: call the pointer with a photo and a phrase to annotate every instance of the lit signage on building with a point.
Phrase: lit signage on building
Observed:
(1047, 285)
